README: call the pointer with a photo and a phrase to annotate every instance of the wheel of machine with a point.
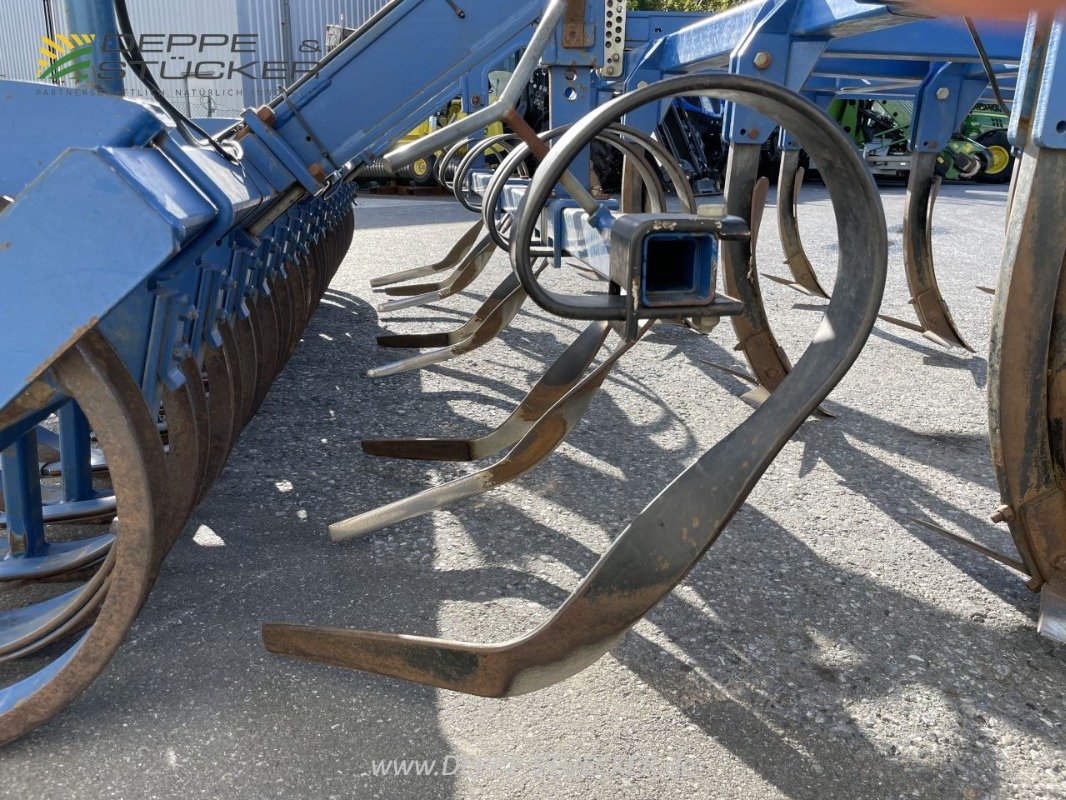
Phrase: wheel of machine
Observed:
(1000, 163)
(187, 419)
(223, 405)
(101, 608)
(265, 324)
(423, 171)
(281, 291)
(245, 338)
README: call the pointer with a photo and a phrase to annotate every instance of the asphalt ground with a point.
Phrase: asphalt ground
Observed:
(828, 646)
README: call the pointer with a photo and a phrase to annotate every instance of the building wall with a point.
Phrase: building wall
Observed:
(286, 30)
(289, 30)
(22, 24)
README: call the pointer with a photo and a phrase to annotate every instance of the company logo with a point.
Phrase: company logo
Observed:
(71, 55)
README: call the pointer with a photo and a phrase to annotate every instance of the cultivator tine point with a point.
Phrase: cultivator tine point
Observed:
(486, 311)
(1007, 561)
(454, 258)
(539, 442)
(901, 323)
(472, 267)
(791, 284)
(488, 322)
(560, 378)
(757, 395)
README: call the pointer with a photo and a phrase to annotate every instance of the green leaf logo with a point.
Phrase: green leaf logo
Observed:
(70, 55)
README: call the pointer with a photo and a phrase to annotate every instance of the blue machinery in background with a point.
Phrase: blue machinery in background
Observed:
(153, 282)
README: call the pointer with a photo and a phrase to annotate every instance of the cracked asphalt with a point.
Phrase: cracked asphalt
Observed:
(830, 645)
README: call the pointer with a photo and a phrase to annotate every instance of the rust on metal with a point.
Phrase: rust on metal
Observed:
(575, 35)
(929, 305)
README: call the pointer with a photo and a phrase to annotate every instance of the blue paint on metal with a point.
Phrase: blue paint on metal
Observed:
(154, 247)
(1049, 119)
(75, 452)
(944, 100)
(21, 481)
(39, 122)
(97, 17)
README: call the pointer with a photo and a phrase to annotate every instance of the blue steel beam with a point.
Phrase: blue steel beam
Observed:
(175, 208)
(97, 17)
(351, 123)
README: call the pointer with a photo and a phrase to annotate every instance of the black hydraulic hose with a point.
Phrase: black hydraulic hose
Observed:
(134, 58)
(987, 63)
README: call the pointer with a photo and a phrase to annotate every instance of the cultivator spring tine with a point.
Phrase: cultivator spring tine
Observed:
(789, 186)
(455, 257)
(643, 565)
(929, 305)
(474, 264)
(491, 319)
(540, 441)
(744, 195)
(901, 323)
(669, 537)
(460, 274)
(757, 395)
(560, 378)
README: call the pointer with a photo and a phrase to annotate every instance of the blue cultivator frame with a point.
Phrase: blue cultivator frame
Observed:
(158, 280)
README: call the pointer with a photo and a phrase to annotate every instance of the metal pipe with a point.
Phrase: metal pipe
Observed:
(97, 17)
(428, 145)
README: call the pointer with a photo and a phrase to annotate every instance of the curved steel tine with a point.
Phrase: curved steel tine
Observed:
(491, 320)
(474, 265)
(669, 537)
(933, 314)
(415, 341)
(759, 196)
(455, 256)
(1027, 393)
(560, 378)
(487, 330)
(413, 289)
(538, 443)
(789, 186)
(764, 355)
(643, 565)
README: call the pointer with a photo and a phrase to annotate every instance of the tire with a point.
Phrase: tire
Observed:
(422, 171)
(1001, 165)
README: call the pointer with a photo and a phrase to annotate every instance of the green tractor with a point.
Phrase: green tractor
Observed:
(881, 129)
